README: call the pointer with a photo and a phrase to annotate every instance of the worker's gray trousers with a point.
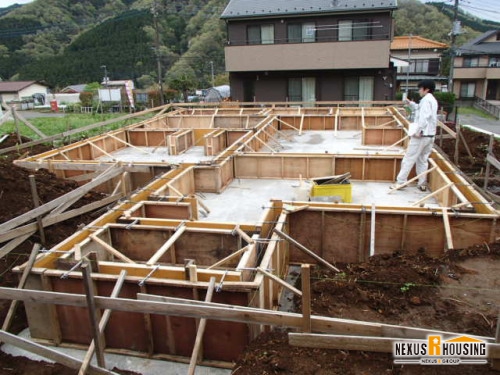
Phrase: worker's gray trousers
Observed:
(417, 154)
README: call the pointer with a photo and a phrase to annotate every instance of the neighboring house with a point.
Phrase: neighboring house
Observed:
(476, 71)
(18, 91)
(319, 50)
(74, 89)
(417, 58)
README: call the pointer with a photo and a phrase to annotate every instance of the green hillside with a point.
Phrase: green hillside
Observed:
(66, 42)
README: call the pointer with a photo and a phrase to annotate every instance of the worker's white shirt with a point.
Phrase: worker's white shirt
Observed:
(426, 114)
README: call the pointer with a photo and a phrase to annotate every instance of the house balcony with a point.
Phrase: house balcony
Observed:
(308, 56)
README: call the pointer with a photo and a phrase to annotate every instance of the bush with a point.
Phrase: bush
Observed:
(446, 101)
(86, 98)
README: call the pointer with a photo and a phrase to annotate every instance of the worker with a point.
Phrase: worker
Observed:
(421, 134)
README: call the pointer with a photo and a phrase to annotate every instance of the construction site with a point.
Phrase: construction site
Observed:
(219, 216)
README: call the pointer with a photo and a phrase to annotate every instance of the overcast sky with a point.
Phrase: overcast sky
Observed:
(488, 9)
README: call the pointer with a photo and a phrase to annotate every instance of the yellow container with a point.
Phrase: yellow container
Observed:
(342, 191)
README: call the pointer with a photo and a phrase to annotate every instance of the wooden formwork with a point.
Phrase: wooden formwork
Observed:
(156, 236)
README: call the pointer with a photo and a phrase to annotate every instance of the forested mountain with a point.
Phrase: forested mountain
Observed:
(67, 42)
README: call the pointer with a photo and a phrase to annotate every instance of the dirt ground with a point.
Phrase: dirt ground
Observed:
(458, 292)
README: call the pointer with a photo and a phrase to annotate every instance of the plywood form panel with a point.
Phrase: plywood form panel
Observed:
(379, 169)
(305, 227)
(180, 211)
(352, 165)
(340, 236)
(466, 232)
(205, 248)
(140, 244)
(319, 167)
(73, 321)
(226, 173)
(426, 233)
(269, 167)
(173, 335)
(125, 330)
(234, 135)
(225, 341)
(245, 167)
(206, 179)
(293, 167)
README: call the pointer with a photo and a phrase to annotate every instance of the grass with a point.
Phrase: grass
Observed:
(56, 125)
(475, 111)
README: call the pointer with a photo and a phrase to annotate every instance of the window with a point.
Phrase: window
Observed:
(494, 62)
(358, 88)
(260, 34)
(302, 89)
(467, 89)
(302, 32)
(354, 30)
(471, 61)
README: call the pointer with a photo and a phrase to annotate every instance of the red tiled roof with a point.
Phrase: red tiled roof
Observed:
(415, 42)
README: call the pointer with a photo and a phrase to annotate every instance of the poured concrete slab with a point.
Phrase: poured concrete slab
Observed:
(142, 366)
(143, 154)
(326, 141)
(244, 200)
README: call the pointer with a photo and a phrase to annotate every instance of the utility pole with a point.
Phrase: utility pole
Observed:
(154, 11)
(212, 70)
(455, 30)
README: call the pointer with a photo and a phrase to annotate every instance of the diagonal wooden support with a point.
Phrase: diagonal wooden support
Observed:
(21, 219)
(102, 323)
(411, 180)
(434, 193)
(49, 353)
(201, 330)
(29, 265)
(164, 248)
(305, 250)
(394, 144)
(279, 281)
(228, 258)
(29, 124)
(110, 249)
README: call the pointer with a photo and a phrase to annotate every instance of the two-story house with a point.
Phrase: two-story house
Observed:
(417, 58)
(319, 50)
(476, 68)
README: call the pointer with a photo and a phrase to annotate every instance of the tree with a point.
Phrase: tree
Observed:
(182, 78)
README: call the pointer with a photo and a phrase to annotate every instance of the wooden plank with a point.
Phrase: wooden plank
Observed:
(102, 323)
(51, 354)
(306, 297)
(372, 230)
(164, 248)
(229, 313)
(12, 309)
(36, 203)
(363, 343)
(53, 219)
(29, 124)
(14, 243)
(412, 179)
(447, 229)
(305, 250)
(201, 330)
(243, 235)
(93, 313)
(279, 281)
(21, 219)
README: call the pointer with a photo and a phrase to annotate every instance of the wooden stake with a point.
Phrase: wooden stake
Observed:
(22, 283)
(201, 330)
(36, 204)
(306, 297)
(102, 323)
(490, 152)
(305, 250)
(447, 229)
(92, 309)
(372, 231)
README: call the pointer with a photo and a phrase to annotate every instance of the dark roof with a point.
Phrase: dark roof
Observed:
(262, 8)
(478, 46)
(74, 88)
(15, 86)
